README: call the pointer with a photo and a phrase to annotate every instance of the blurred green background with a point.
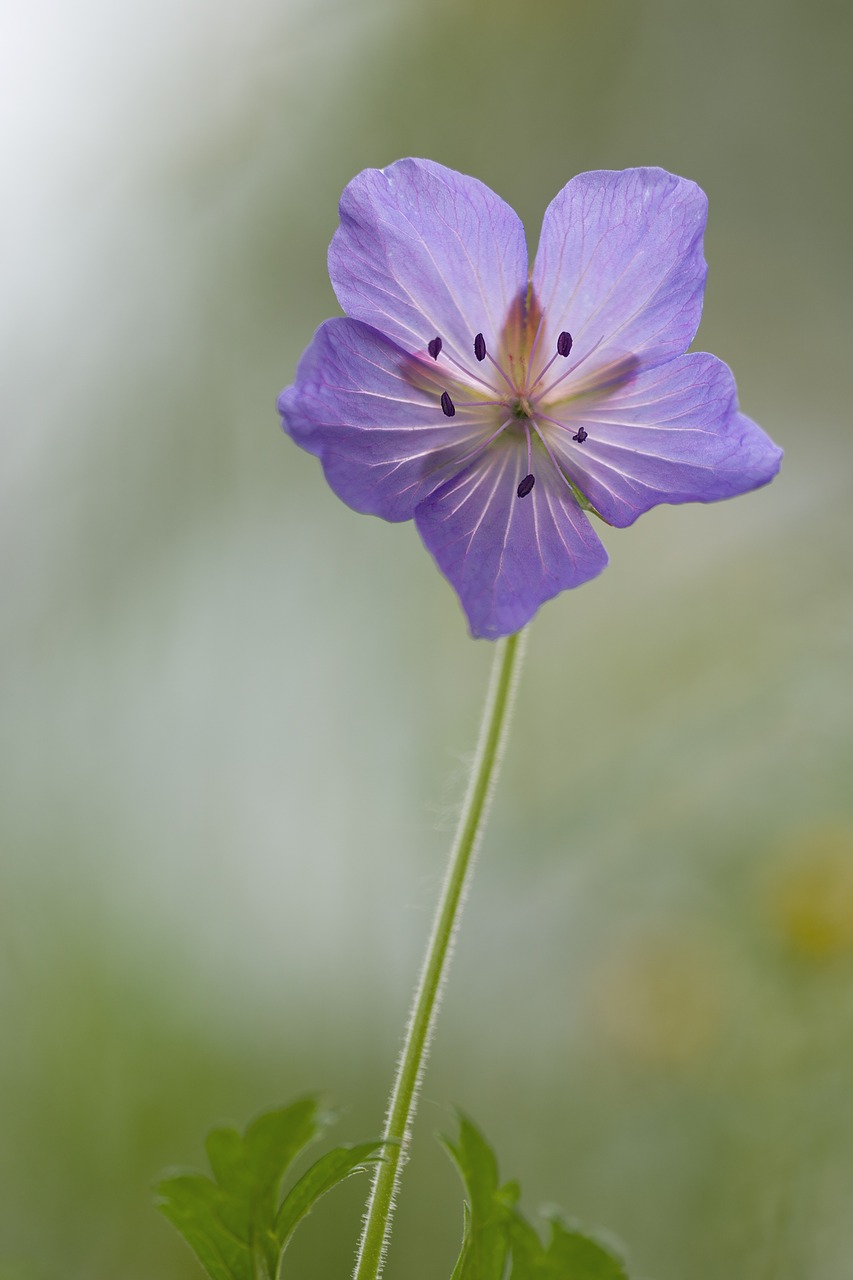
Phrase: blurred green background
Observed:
(235, 715)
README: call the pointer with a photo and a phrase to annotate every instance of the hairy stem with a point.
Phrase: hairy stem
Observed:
(410, 1068)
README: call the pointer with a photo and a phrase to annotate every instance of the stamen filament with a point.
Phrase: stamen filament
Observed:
(545, 369)
(550, 454)
(565, 426)
(476, 404)
(526, 485)
(547, 390)
(470, 373)
(484, 444)
(493, 361)
(564, 346)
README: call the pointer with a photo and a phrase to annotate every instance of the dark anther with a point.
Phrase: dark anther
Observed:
(526, 485)
(448, 408)
(434, 347)
(564, 343)
(580, 435)
(480, 347)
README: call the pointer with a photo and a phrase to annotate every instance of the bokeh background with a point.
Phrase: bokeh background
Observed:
(235, 715)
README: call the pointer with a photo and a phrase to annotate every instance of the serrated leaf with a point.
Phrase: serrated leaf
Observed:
(496, 1230)
(251, 1167)
(571, 1253)
(466, 1236)
(324, 1174)
(196, 1206)
(528, 1255)
(230, 1222)
(485, 1241)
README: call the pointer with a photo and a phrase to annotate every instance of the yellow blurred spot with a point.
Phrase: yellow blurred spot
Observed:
(811, 894)
(661, 999)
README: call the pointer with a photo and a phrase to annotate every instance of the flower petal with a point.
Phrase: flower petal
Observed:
(505, 555)
(671, 434)
(620, 266)
(423, 252)
(372, 414)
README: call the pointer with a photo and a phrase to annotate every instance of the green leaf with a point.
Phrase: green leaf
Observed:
(573, 1254)
(230, 1220)
(570, 1255)
(324, 1174)
(495, 1229)
(466, 1238)
(251, 1168)
(485, 1241)
(528, 1255)
(199, 1209)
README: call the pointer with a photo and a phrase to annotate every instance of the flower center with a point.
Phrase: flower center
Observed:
(516, 400)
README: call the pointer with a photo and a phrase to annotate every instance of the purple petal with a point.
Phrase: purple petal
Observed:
(383, 441)
(505, 555)
(424, 252)
(671, 434)
(620, 266)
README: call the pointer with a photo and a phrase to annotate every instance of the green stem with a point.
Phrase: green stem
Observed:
(410, 1068)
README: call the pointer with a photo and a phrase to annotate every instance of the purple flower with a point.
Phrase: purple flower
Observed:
(495, 407)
